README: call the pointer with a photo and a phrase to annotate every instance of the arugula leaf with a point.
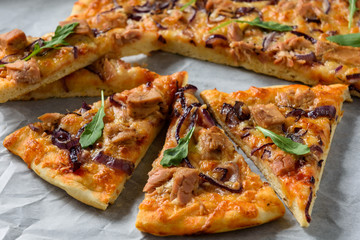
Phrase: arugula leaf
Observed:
(257, 23)
(285, 144)
(93, 130)
(352, 10)
(187, 4)
(174, 156)
(352, 39)
(57, 40)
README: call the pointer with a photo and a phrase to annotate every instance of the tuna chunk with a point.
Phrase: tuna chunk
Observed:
(24, 72)
(299, 98)
(334, 52)
(13, 41)
(108, 20)
(267, 115)
(283, 164)
(142, 104)
(213, 143)
(158, 178)
(234, 32)
(185, 181)
(118, 134)
(51, 118)
(83, 28)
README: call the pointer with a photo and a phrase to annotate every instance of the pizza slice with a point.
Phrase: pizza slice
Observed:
(286, 131)
(91, 152)
(109, 74)
(27, 63)
(199, 183)
(304, 41)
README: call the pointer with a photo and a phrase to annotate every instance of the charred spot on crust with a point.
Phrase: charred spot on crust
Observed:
(307, 208)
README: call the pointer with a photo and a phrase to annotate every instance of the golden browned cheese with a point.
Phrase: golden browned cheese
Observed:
(184, 199)
(310, 117)
(94, 175)
(292, 55)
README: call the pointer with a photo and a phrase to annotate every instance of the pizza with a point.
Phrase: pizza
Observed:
(287, 39)
(26, 63)
(109, 74)
(210, 189)
(300, 115)
(91, 152)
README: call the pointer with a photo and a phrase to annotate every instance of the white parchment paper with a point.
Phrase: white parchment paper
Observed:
(30, 208)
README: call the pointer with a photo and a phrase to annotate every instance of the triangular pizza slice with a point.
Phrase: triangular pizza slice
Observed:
(91, 152)
(109, 74)
(286, 131)
(199, 183)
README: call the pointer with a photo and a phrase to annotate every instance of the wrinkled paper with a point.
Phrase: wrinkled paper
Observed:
(31, 208)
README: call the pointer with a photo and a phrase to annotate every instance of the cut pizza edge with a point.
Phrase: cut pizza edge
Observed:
(303, 217)
(100, 178)
(109, 74)
(190, 209)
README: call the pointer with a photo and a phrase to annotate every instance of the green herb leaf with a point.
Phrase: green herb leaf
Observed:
(58, 40)
(352, 10)
(94, 129)
(258, 23)
(174, 156)
(187, 4)
(352, 39)
(285, 144)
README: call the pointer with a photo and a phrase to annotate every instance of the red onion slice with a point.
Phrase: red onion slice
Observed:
(327, 6)
(353, 78)
(338, 68)
(259, 148)
(323, 111)
(215, 39)
(310, 57)
(115, 163)
(267, 40)
(307, 37)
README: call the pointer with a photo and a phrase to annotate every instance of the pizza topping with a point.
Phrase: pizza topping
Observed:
(299, 98)
(230, 172)
(93, 130)
(216, 40)
(108, 20)
(63, 140)
(307, 37)
(213, 143)
(240, 112)
(285, 144)
(352, 10)
(340, 54)
(158, 178)
(83, 28)
(351, 39)
(268, 40)
(174, 156)
(115, 163)
(307, 208)
(234, 32)
(221, 184)
(259, 148)
(267, 115)
(13, 41)
(282, 164)
(205, 119)
(142, 104)
(119, 134)
(323, 111)
(51, 118)
(185, 181)
(24, 72)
